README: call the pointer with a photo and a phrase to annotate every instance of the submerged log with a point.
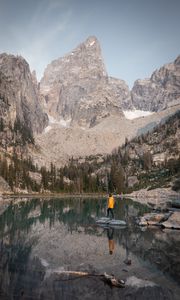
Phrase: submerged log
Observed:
(112, 281)
(109, 279)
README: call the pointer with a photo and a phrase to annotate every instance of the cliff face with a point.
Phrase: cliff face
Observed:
(76, 88)
(162, 90)
(19, 95)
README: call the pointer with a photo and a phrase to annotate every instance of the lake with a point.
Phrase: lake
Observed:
(42, 238)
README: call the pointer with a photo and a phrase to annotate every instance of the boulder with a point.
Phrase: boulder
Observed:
(173, 221)
(154, 219)
(4, 186)
(132, 180)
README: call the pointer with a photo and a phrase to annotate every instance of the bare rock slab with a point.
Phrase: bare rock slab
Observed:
(153, 218)
(173, 221)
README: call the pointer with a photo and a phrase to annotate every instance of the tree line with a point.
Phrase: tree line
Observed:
(110, 174)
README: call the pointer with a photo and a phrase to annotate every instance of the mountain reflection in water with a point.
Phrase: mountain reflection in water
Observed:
(40, 238)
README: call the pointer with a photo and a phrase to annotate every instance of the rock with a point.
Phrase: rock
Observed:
(121, 92)
(176, 184)
(153, 218)
(175, 203)
(37, 177)
(142, 222)
(4, 186)
(160, 91)
(132, 180)
(143, 289)
(173, 221)
(139, 283)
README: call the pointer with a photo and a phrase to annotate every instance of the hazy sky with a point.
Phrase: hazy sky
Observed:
(136, 36)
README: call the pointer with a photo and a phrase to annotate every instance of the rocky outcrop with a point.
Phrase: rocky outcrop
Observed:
(169, 220)
(76, 88)
(160, 91)
(159, 198)
(18, 95)
(4, 186)
(121, 91)
(173, 222)
(154, 218)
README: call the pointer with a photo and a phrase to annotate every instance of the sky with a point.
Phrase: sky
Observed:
(136, 36)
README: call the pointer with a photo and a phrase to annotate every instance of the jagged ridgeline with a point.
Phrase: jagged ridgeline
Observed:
(141, 162)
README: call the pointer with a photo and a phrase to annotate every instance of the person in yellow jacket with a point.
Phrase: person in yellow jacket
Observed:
(110, 207)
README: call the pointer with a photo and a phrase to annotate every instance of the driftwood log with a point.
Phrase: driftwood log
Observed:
(109, 279)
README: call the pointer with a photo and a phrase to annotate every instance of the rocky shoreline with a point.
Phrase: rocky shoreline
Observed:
(160, 198)
(157, 198)
(166, 206)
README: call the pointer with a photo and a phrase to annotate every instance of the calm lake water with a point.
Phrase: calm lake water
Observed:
(40, 238)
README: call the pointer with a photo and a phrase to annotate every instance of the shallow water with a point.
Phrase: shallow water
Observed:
(40, 238)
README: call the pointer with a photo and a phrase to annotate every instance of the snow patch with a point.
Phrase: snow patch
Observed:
(52, 120)
(47, 129)
(60, 123)
(92, 43)
(133, 114)
(65, 123)
(44, 262)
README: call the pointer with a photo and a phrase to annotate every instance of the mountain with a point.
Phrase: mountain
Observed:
(160, 91)
(77, 89)
(76, 111)
(85, 105)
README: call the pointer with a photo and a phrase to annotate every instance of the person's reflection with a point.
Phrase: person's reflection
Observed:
(127, 260)
(110, 233)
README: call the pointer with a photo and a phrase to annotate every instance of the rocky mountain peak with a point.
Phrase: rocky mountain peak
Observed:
(89, 45)
(91, 41)
(14, 67)
(82, 62)
(76, 87)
